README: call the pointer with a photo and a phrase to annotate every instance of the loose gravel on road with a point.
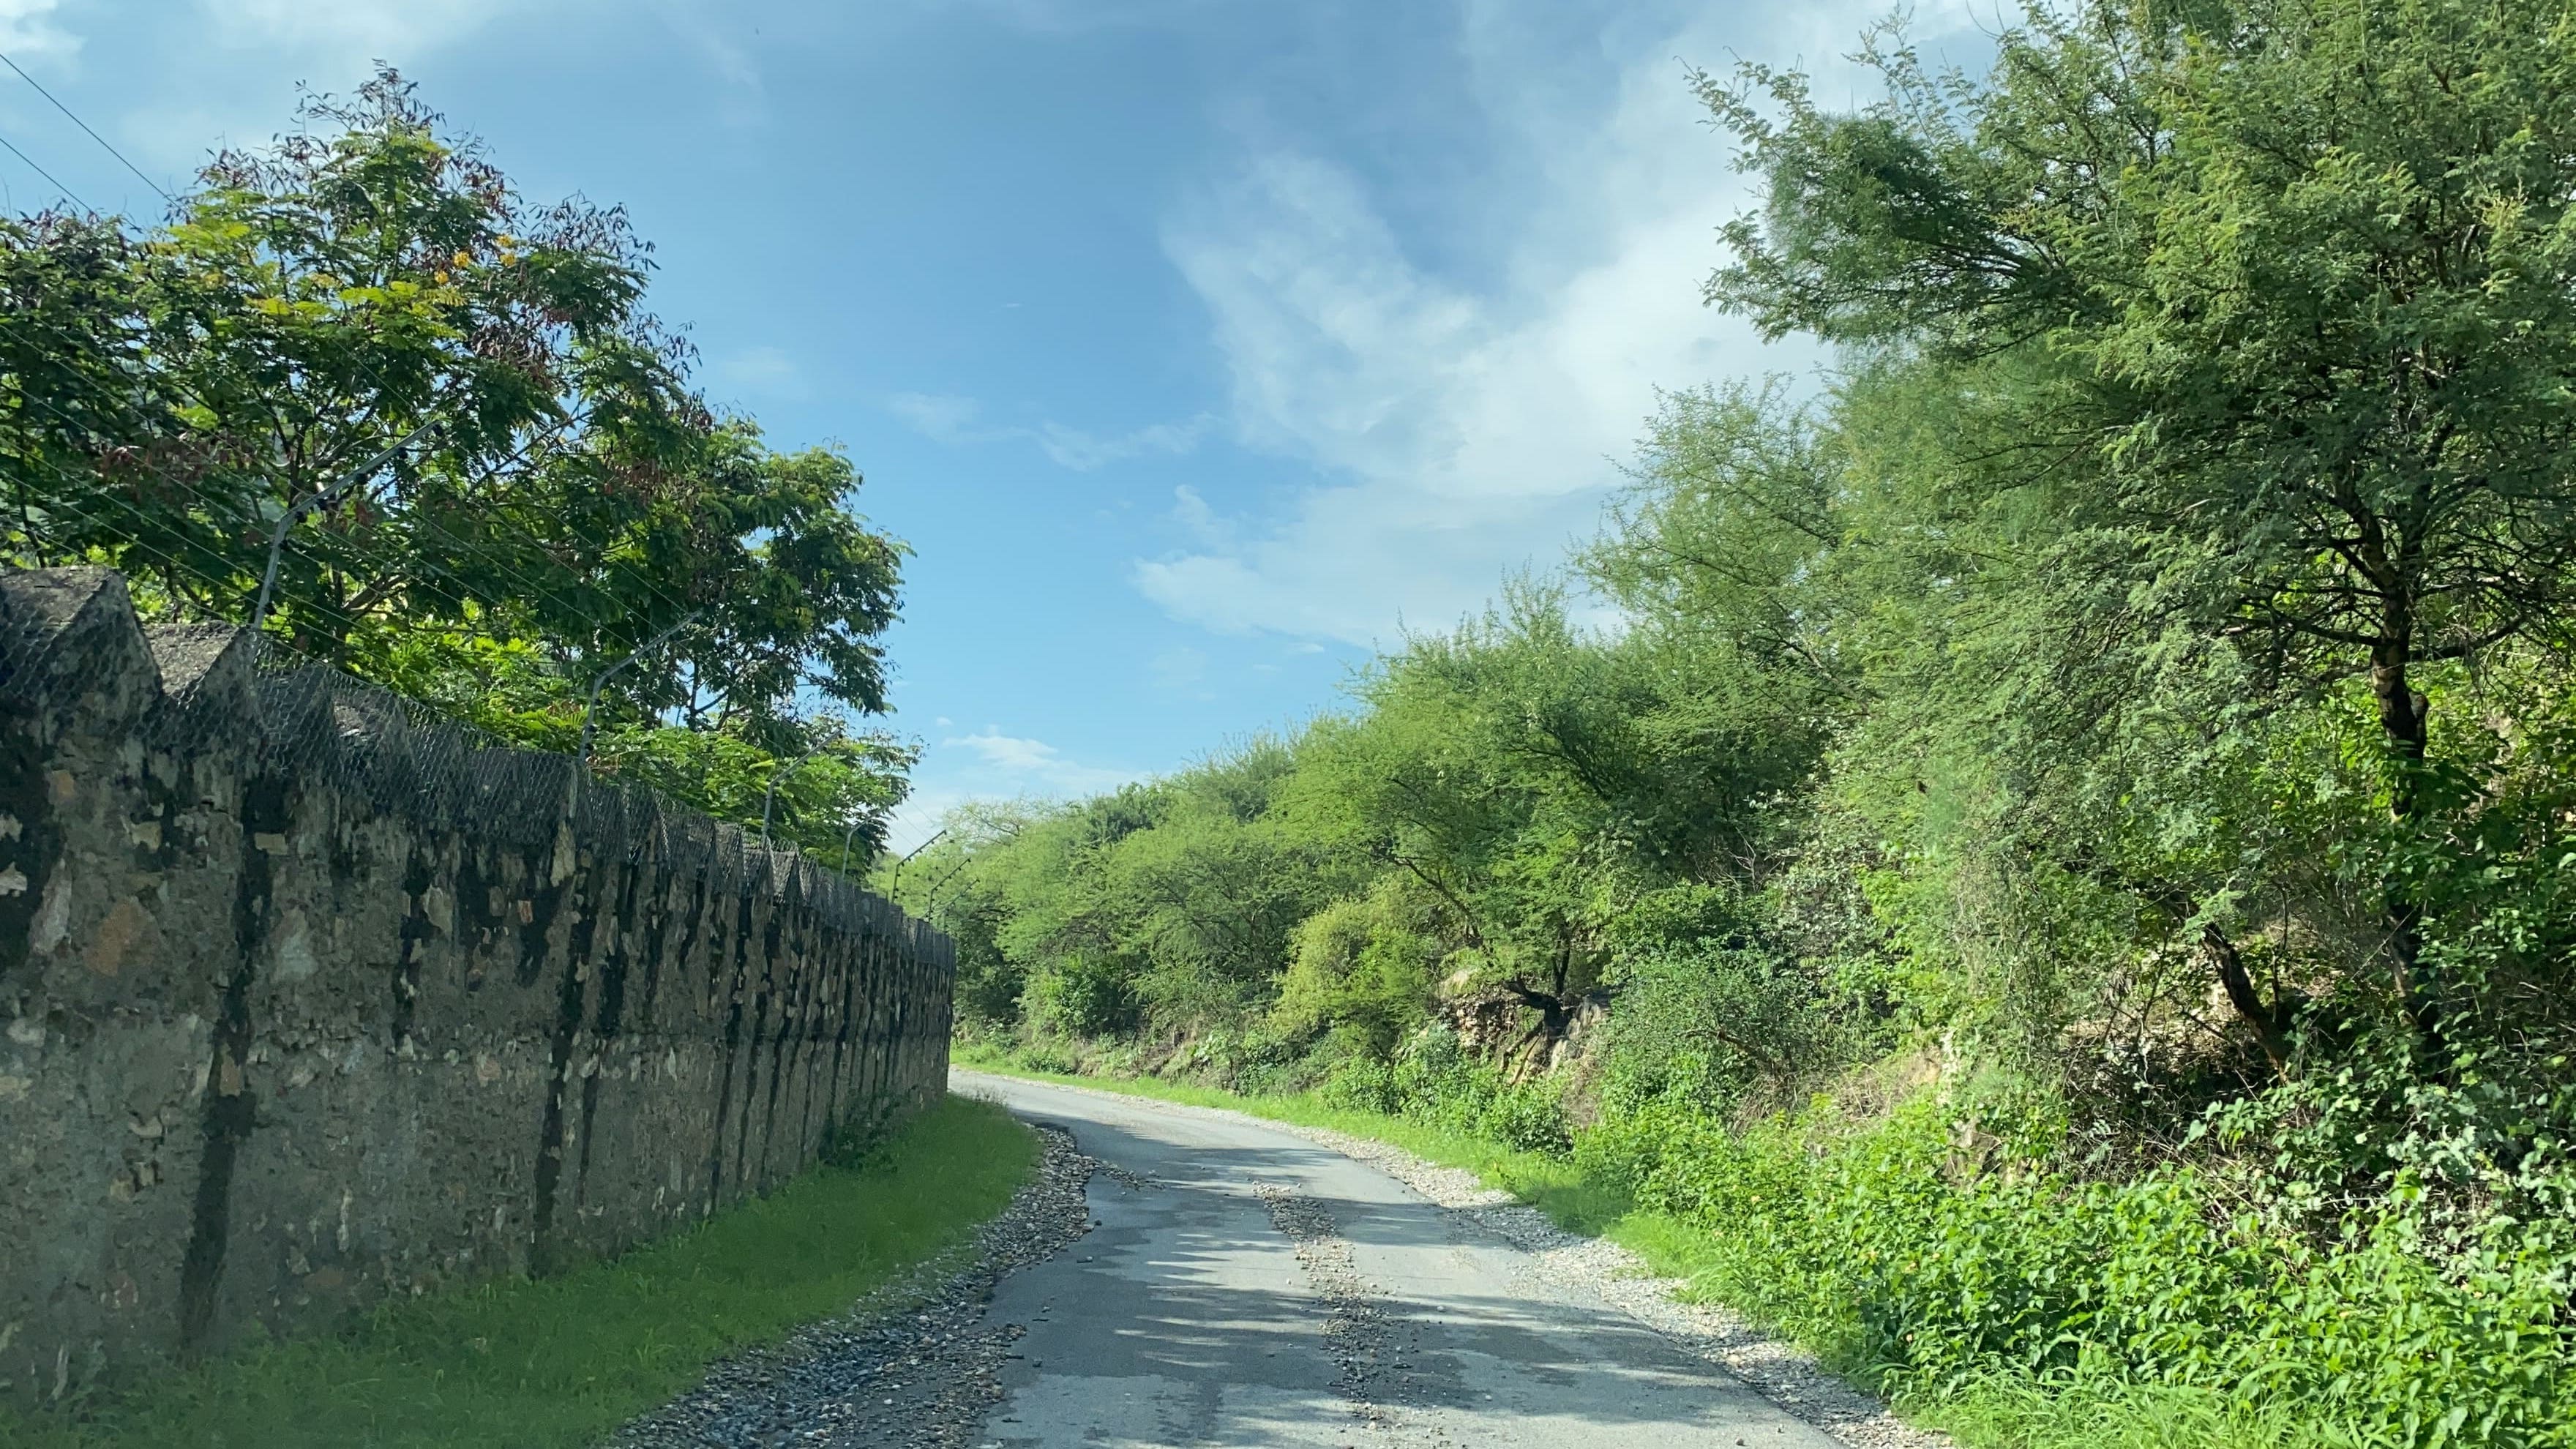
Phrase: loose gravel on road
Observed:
(1780, 1372)
(913, 1364)
(920, 1363)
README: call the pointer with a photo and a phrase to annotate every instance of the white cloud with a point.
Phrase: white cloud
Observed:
(1005, 752)
(1034, 766)
(958, 422)
(1182, 670)
(940, 417)
(233, 84)
(1077, 17)
(358, 30)
(234, 75)
(1081, 451)
(27, 31)
(702, 28)
(1198, 520)
(1463, 428)
(991, 765)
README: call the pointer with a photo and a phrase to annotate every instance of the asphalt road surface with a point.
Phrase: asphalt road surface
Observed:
(1248, 1287)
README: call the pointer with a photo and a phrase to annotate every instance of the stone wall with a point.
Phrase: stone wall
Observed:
(306, 1003)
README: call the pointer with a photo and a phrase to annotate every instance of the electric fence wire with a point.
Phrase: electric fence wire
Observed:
(314, 689)
(677, 606)
(468, 499)
(637, 575)
(385, 388)
(323, 724)
(68, 193)
(472, 552)
(217, 589)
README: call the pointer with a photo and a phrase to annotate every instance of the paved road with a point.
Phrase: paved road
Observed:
(1248, 1287)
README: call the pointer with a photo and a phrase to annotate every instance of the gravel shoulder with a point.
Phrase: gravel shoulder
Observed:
(913, 1363)
(1779, 1371)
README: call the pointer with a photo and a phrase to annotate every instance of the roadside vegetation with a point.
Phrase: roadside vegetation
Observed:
(2056, 891)
(564, 1360)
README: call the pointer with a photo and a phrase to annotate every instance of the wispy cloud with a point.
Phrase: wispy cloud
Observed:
(941, 417)
(348, 29)
(990, 765)
(28, 32)
(233, 82)
(956, 422)
(232, 78)
(1074, 17)
(1083, 451)
(1182, 670)
(766, 370)
(702, 27)
(1465, 416)
(1034, 766)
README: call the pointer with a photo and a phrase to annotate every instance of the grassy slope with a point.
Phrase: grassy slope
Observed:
(2005, 1414)
(564, 1360)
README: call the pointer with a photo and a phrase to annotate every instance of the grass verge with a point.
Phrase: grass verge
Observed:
(562, 1361)
(1999, 1413)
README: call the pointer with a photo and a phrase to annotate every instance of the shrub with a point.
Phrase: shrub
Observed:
(1081, 996)
(1361, 1084)
(1909, 1256)
(1434, 1080)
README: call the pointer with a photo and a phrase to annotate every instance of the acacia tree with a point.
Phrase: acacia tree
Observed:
(2289, 286)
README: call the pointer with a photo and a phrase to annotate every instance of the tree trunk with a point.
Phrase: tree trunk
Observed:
(2403, 719)
(2271, 1024)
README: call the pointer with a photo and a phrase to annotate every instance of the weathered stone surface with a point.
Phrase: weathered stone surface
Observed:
(305, 1005)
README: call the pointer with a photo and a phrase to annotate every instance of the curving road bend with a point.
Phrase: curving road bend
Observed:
(1243, 1286)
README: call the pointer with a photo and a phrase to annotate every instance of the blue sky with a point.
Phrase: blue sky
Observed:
(1197, 346)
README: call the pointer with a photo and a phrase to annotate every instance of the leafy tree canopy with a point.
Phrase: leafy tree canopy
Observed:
(496, 478)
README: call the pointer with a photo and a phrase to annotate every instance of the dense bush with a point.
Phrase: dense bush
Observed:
(1433, 1081)
(1934, 1256)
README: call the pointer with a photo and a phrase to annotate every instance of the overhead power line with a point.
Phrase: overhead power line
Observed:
(48, 175)
(84, 125)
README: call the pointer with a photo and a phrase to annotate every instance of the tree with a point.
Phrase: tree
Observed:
(2288, 284)
(494, 477)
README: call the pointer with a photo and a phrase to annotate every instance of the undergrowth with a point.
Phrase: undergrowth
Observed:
(564, 1360)
(2005, 1301)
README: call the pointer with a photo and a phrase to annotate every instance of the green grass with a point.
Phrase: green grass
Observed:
(564, 1360)
(2003, 1413)
(2019, 1414)
(1550, 1184)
